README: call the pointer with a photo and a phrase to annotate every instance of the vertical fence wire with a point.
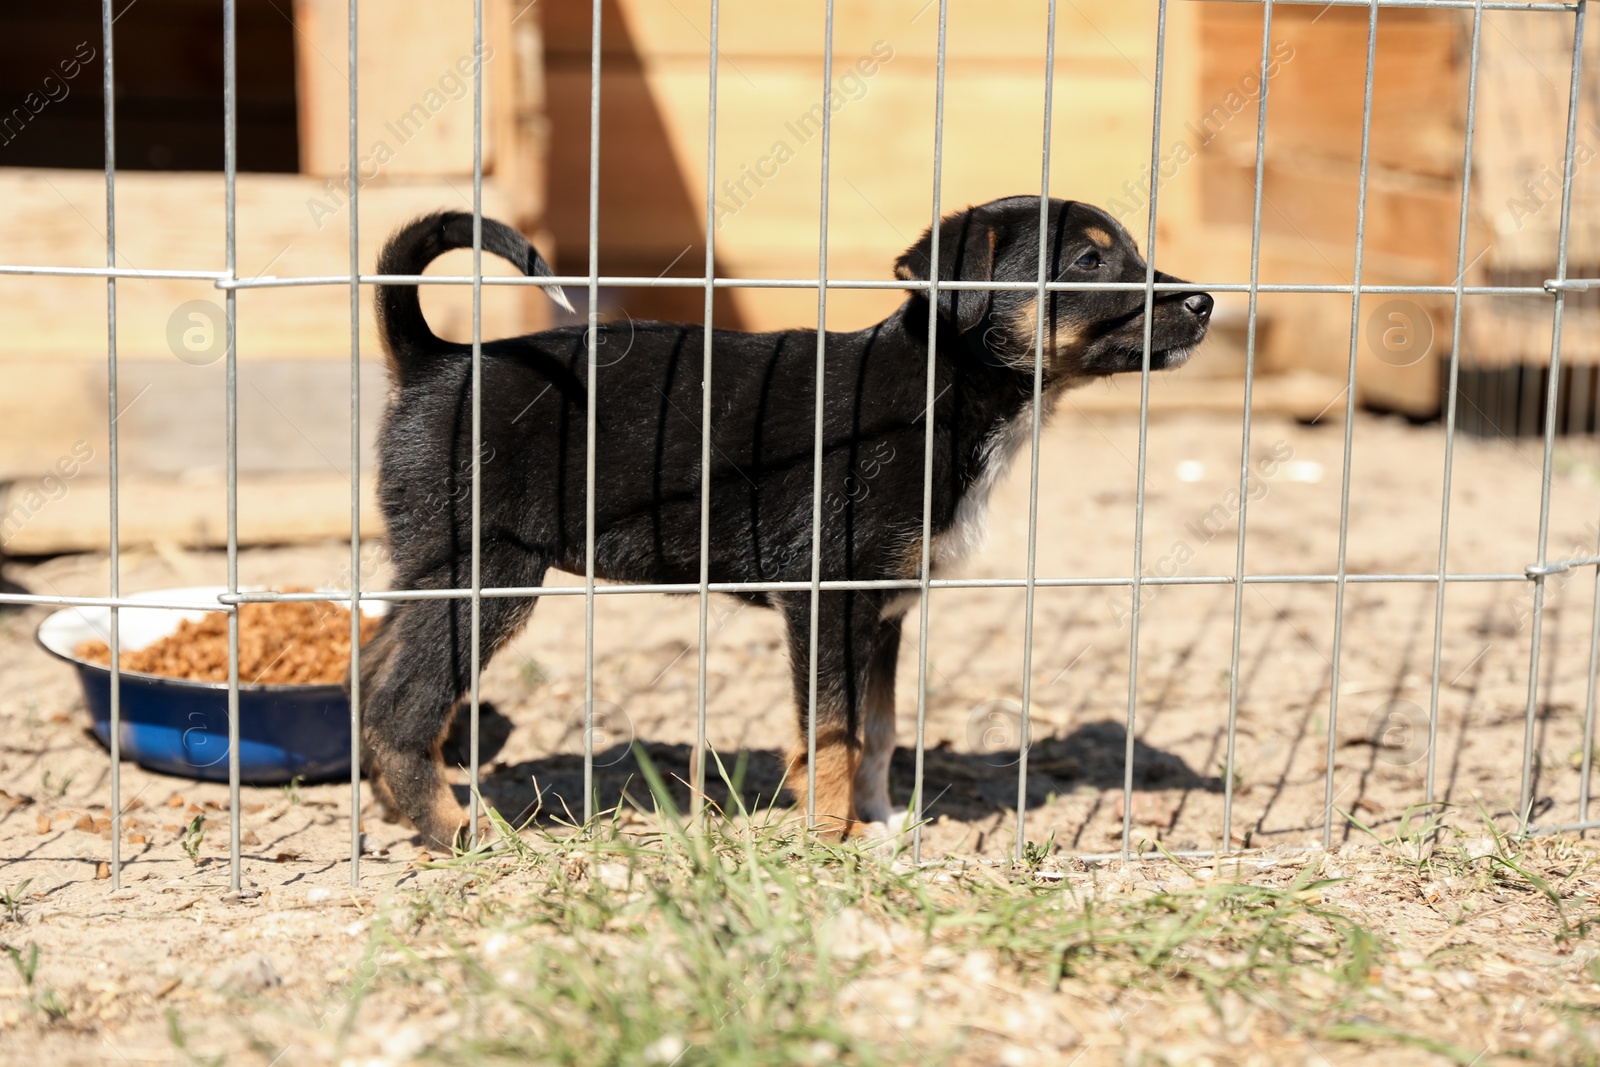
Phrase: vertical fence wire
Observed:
(1248, 413)
(115, 638)
(355, 463)
(1452, 397)
(593, 340)
(822, 366)
(1349, 432)
(1525, 800)
(926, 573)
(698, 763)
(477, 419)
(230, 174)
(1144, 437)
(1024, 729)
(1586, 761)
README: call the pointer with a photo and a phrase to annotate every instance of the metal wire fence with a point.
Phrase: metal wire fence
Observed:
(1555, 290)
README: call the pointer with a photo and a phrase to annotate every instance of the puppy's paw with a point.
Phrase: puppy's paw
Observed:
(886, 837)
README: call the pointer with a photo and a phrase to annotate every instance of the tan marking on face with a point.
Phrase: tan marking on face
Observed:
(1027, 322)
(1099, 236)
(904, 273)
(1067, 341)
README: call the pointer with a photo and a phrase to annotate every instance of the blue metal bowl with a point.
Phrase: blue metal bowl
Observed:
(181, 727)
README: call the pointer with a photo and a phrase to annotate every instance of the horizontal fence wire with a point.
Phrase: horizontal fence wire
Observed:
(227, 601)
(225, 281)
(1534, 574)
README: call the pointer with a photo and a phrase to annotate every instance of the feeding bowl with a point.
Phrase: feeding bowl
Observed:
(177, 726)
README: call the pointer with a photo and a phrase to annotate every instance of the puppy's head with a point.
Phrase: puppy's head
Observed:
(1087, 333)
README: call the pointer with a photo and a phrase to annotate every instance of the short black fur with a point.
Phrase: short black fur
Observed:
(648, 457)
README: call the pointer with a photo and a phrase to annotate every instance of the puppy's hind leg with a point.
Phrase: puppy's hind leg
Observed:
(406, 710)
(375, 655)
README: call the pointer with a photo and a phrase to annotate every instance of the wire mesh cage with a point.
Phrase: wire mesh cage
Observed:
(1534, 393)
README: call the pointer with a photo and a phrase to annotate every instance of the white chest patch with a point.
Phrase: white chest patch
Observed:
(967, 534)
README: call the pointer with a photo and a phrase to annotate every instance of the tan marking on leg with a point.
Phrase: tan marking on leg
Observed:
(449, 824)
(907, 567)
(447, 821)
(388, 807)
(1099, 236)
(838, 756)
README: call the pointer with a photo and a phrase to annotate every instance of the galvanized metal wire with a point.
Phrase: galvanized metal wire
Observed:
(924, 583)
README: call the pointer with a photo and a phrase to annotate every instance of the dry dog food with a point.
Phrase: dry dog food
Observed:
(295, 643)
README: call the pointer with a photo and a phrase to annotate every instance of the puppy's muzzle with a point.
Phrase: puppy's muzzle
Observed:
(1199, 305)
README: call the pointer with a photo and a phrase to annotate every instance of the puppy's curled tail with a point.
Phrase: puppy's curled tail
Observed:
(411, 344)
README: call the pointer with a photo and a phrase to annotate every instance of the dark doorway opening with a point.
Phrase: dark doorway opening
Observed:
(168, 85)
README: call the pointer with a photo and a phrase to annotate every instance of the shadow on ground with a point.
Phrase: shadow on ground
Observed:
(965, 786)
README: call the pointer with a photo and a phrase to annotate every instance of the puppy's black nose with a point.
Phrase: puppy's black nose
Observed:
(1200, 305)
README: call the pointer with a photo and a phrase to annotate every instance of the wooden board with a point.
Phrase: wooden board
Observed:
(272, 510)
(288, 225)
(1519, 147)
(415, 105)
(1314, 108)
(654, 135)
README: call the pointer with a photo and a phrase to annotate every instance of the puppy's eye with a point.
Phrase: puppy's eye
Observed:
(1088, 261)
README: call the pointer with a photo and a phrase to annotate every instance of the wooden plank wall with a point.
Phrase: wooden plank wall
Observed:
(1413, 205)
(415, 138)
(1520, 146)
(53, 356)
(1311, 184)
(654, 130)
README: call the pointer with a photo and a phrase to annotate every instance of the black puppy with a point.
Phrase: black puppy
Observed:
(647, 470)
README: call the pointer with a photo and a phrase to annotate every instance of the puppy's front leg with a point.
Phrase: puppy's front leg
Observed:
(850, 640)
(877, 713)
(838, 760)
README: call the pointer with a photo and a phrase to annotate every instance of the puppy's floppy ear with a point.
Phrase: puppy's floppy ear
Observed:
(967, 242)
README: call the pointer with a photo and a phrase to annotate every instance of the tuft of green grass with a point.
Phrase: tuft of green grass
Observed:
(12, 899)
(26, 962)
(54, 786)
(1434, 848)
(193, 836)
(743, 940)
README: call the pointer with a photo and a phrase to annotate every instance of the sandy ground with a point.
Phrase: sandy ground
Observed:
(53, 813)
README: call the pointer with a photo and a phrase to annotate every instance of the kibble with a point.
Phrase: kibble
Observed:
(287, 643)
